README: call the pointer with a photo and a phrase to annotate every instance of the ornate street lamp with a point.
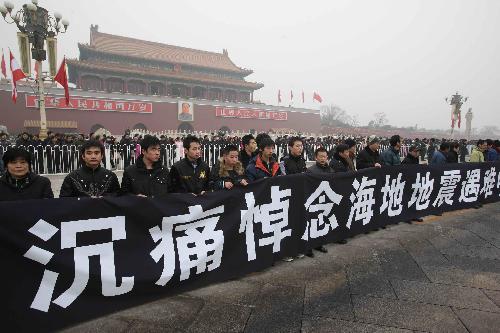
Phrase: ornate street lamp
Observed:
(456, 101)
(37, 25)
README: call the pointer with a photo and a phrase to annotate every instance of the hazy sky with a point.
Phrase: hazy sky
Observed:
(401, 57)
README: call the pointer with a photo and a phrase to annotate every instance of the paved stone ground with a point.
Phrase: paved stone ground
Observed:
(442, 275)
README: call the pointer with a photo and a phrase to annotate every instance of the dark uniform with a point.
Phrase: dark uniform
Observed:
(188, 177)
(293, 164)
(88, 182)
(367, 158)
(150, 182)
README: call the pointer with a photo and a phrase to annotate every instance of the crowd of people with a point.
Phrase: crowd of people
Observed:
(241, 162)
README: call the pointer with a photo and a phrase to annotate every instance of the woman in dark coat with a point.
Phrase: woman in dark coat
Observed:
(18, 182)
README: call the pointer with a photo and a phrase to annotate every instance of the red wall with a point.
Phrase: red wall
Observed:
(163, 117)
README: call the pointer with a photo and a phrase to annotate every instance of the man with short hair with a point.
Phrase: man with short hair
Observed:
(321, 166)
(249, 149)
(477, 154)
(452, 156)
(18, 182)
(190, 174)
(413, 156)
(294, 162)
(90, 180)
(351, 143)
(147, 177)
(263, 164)
(439, 156)
(491, 152)
(341, 161)
(390, 156)
(369, 157)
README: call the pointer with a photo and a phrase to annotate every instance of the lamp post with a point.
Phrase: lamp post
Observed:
(37, 24)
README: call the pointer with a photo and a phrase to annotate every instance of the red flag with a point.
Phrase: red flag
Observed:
(279, 96)
(62, 79)
(452, 119)
(303, 100)
(459, 119)
(291, 95)
(317, 98)
(4, 69)
(17, 74)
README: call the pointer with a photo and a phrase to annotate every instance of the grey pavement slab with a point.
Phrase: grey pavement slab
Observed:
(440, 294)
(279, 309)
(408, 315)
(457, 276)
(479, 321)
(327, 325)
(232, 292)
(220, 317)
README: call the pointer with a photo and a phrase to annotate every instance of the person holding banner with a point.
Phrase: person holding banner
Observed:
(90, 180)
(191, 174)
(263, 165)
(228, 172)
(294, 162)
(390, 156)
(147, 177)
(321, 166)
(249, 149)
(18, 182)
(440, 156)
(341, 162)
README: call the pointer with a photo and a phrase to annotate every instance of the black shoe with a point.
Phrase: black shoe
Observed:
(439, 214)
(342, 241)
(382, 227)
(419, 219)
(321, 249)
(478, 206)
(409, 222)
(310, 254)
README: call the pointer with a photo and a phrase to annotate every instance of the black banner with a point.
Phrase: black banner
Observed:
(69, 260)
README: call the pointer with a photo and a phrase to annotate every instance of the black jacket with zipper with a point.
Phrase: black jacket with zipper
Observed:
(88, 182)
(30, 187)
(149, 182)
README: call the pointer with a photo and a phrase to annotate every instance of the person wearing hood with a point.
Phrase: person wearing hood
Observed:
(390, 156)
(369, 157)
(190, 174)
(341, 162)
(18, 182)
(147, 177)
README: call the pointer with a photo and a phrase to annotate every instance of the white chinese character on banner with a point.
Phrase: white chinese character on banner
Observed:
(82, 103)
(120, 106)
(199, 247)
(108, 105)
(273, 217)
(470, 187)
(143, 107)
(392, 195)
(362, 201)
(489, 182)
(422, 190)
(96, 104)
(318, 227)
(105, 251)
(449, 181)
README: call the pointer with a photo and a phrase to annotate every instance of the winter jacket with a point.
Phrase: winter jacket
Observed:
(339, 164)
(367, 158)
(476, 155)
(390, 156)
(88, 182)
(30, 187)
(409, 159)
(319, 169)
(149, 182)
(188, 177)
(290, 165)
(245, 158)
(438, 158)
(217, 180)
(452, 156)
(491, 155)
(258, 169)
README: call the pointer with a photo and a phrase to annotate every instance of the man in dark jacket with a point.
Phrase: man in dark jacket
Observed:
(249, 150)
(321, 166)
(294, 162)
(452, 156)
(390, 156)
(90, 180)
(369, 157)
(263, 165)
(341, 161)
(147, 177)
(431, 149)
(18, 182)
(412, 156)
(190, 174)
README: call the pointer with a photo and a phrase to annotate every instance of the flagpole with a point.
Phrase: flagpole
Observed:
(41, 103)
